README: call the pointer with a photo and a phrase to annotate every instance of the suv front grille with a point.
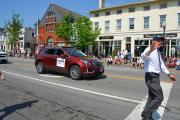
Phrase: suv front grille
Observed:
(97, 64)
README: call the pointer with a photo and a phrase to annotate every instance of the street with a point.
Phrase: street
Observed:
(119, 94)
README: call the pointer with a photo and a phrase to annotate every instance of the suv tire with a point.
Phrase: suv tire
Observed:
(75, 72)
(40, 67)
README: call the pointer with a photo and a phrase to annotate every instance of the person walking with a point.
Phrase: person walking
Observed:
(153, 65)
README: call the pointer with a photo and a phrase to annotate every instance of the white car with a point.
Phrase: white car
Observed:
(3, 57)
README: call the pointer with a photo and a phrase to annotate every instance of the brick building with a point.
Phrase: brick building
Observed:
(45, 28)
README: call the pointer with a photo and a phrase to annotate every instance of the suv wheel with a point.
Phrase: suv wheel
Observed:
(75, 72)
(40, 67)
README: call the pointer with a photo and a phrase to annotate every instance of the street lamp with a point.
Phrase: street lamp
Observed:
(164, 42)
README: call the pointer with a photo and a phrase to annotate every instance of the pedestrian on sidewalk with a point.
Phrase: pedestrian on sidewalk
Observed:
(153, 65)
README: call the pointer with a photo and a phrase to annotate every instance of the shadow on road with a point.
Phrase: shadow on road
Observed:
(10, 109)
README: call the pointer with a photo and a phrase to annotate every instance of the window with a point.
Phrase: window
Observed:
(163, 5)
(140, 46)
(50, 51)
(21, 38)
(118, 24)
(131, 9)
(178, 19)
(96, 25)
(119, 11)
(107, 24)
(96, 15)
(131, 23)
(59, 52)
(146, 8)
(146, 22)
(107, 13)
(162, 19)
(178, 3)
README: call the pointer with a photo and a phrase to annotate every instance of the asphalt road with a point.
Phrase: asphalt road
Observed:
(26, 95)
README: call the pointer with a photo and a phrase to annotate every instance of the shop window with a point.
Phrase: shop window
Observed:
(140, 46)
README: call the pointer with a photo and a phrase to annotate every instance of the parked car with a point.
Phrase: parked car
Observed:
(67, 60)
(3, 57)
(178, 64)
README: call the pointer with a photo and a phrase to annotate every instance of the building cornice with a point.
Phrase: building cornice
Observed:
(146, 2)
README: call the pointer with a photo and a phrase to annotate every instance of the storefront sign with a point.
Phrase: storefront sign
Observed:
(106, 37)
(153, 35)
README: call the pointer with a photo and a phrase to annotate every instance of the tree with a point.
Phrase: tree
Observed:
(79, 34)
(86, 35)
(65, 29)
(13, 27)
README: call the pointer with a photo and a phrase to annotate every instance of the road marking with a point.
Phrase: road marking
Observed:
(136, 113)
(78, 89)
(50, 76)
(133, 78)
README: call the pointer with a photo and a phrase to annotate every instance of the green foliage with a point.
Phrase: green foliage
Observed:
(13, 27)
(85, 33)
(65, 29)
(79, 34)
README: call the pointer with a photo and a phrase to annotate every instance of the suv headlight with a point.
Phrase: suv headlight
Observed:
(87, 63)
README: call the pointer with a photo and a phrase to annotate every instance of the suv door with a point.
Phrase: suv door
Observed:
(49, 57)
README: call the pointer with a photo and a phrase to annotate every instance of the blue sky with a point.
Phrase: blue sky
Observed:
(30, 10)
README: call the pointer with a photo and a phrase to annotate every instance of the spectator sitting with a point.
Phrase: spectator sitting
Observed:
(140, 62)
(134, 62)
(109, 61)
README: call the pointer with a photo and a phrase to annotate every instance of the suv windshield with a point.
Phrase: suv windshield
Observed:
(74, 52)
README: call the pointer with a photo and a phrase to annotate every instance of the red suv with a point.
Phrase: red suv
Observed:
(67, 60)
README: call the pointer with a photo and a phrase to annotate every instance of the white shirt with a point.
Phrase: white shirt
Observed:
(152, 62)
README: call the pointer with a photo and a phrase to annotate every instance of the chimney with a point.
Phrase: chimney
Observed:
(101, 4)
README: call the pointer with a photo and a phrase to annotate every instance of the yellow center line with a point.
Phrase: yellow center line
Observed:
(133, 78)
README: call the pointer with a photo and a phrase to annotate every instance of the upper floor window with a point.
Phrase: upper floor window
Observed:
(178, 3)
(132, 9)
(96, 15)
(163, 5)
(108, 13)
(131, 23)
(107, 24)
(50, 14)
(96, 25)
(119, 11)
(178, 19)
(146, 22)
(162, 20)
(146, 8)
(118, 24)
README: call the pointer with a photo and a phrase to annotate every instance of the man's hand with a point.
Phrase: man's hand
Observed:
(172, 78)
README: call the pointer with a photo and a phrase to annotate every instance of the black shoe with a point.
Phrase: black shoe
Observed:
(146, 116)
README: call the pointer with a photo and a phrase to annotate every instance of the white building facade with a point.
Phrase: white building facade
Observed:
(26, 39)
(133, 25)
(3, 39)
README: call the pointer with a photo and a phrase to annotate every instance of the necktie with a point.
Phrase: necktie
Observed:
(159, 55)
